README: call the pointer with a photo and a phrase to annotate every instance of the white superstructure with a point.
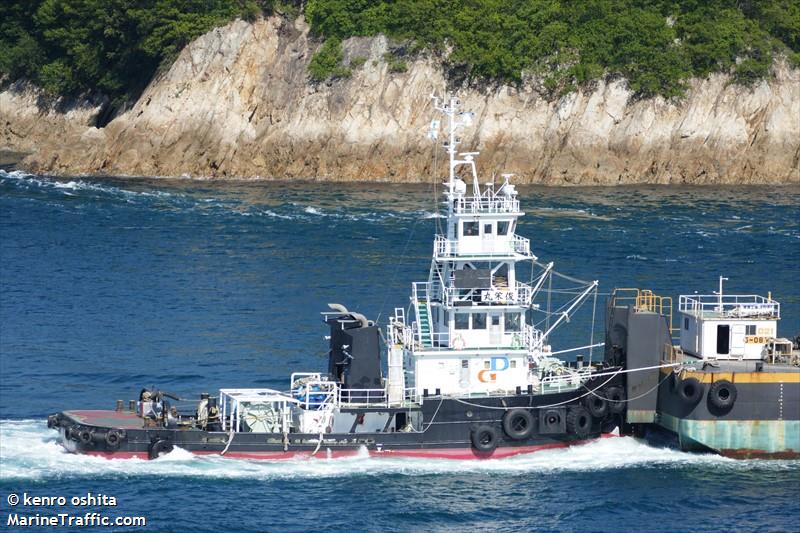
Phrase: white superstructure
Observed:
(472, 331)
(728, 326)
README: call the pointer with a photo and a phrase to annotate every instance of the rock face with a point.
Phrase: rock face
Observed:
(238, 103)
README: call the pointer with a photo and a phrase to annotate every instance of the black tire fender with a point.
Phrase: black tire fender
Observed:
(114, 438)
(690, 390)
(722, 394)
(616, 399)
(484, 438)
(518, 424)
(158, 448)
(596, 405)
(579, 421)
(86, 436)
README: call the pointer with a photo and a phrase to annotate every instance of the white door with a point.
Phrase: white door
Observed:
(737, 339)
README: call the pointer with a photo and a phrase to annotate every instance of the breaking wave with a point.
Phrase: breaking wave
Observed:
(29, 451)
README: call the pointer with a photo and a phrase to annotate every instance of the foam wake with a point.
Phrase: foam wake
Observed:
(29, 451)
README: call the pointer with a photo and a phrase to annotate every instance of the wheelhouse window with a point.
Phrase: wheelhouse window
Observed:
(502, 228)
(512, 322)
(478, 320)
(495, 320)
(462, 321)
(750, 329)
(470, 229)
(487, 229)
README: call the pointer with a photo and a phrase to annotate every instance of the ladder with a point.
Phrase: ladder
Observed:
(424, 323)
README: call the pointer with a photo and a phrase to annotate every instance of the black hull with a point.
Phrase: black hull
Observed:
(449, 428)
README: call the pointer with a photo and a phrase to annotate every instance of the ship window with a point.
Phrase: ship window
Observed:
(465, 363)
(462, 321)
(723, 339)
(512, 321)
(470, 229)
(686, 322)
(502, 228)
(487, 365)
(478, 320)
(750, 329)
(495, 320)
(487, 229)
(513, 363)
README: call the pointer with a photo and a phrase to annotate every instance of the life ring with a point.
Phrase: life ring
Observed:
(518, 424)
(484, 439)
(458, 342)
(722, 394)
(616, 399)
(86, 436)
(596, 405)
(158, 448)
(690, 391)
(579, 421)
(114, 438)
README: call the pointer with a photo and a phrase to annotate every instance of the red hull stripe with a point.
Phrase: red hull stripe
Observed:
(429, 453)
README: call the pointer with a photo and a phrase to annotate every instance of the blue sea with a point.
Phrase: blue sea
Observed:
(109, 285)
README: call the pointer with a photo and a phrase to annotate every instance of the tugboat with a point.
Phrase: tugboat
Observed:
(470, 372)
(730, 386)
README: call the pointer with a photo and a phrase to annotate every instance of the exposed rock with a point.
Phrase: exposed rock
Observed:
(238, 103)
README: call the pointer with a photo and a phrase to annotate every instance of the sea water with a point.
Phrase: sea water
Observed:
(111, 285)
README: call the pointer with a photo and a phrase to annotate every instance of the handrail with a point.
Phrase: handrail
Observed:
(516, 244)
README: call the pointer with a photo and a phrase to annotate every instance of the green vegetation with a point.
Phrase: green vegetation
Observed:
(113, 47)
(655, 44)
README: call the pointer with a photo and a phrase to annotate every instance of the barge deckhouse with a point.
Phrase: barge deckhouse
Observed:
(470, 372)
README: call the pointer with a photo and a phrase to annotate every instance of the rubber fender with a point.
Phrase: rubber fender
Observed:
(690, 390)
(53, 421)
(114, 438)
(722, 394)
(596, 405)
(484, 438)
(158, 448)
(86, 436)
(518, 424)
(616, 399)
(579, 421)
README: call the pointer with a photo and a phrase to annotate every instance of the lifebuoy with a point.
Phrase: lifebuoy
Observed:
(690, 391)
(458, 342)
(722, 394)
(518, 424)
(579, 421)
(114, 438)
(616, 399)
(484, 438)
(596, 405)
(158, 448)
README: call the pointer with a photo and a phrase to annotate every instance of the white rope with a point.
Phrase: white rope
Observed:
(230, 440)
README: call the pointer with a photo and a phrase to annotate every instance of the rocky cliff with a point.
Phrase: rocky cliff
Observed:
(238, 103)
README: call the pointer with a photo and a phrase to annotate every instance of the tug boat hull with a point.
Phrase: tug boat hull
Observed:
(449, 434)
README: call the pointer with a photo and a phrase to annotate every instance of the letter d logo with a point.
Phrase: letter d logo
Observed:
(496, 361)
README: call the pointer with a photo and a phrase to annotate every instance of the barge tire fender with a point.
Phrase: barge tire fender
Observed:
(518, 424)
(86, 436)
(722, 394)
(616, 399)
(596, 405)
(484, 438)
(690, 391)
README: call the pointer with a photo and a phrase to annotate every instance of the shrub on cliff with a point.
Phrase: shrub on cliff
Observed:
(655, 44)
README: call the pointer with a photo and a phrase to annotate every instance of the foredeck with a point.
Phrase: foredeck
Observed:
(110, 419)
